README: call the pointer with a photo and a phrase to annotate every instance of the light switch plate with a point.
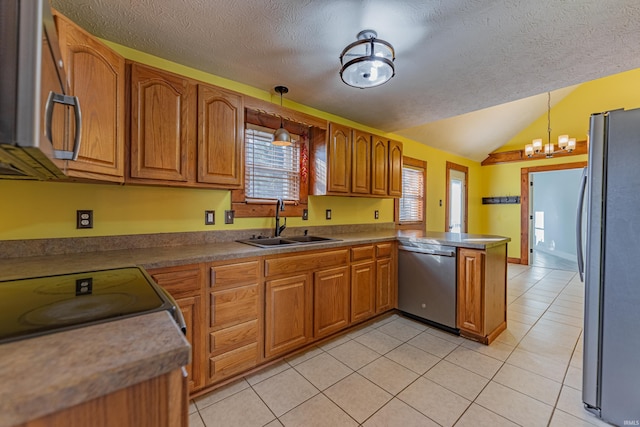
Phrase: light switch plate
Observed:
(328, 214)
(376, 214)
(305, 214)
(228, 217)
(209, 217)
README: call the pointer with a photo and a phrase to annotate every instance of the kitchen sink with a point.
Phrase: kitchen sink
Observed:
(271, 242)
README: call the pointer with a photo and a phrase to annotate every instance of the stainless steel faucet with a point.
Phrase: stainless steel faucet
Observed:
(279, 229)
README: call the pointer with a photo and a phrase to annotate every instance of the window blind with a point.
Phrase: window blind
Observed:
(271, 171)
(411, 205)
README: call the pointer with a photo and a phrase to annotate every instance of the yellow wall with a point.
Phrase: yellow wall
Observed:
(569, 116)
(47, 209)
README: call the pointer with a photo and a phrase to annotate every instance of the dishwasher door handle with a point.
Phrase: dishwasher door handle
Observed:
(439, 252)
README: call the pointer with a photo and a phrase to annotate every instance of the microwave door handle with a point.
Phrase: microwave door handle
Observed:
(72, 101)
(581, 196)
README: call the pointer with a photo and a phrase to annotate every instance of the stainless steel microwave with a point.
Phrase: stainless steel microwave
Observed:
(33, 90)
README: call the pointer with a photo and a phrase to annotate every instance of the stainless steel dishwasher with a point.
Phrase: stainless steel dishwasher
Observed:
(427, 283)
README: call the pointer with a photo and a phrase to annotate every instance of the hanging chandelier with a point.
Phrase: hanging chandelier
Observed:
(367, 62)
(536, 148)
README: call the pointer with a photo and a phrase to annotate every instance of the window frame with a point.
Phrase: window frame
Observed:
(245, 208)
(413, 225)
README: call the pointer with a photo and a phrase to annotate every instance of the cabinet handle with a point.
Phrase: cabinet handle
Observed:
(71, 101)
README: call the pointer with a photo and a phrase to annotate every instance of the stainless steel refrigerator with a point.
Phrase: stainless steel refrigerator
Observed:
(610, 262)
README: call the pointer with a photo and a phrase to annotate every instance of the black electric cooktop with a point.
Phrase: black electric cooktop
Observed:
(40, 305)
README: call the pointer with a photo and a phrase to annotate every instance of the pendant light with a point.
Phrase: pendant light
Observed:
(367, 62)
(281, 136)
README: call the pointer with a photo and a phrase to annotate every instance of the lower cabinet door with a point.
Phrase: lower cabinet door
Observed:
(470, 284)
(288, 314)
(331, 301)
(190, 308)
(384, 285)
(363, 291)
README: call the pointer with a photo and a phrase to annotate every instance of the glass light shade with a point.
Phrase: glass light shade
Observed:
(537, 145)
(548, 149)
(281, 137)
(571, 145)
(528, 150)
(563, 141)
(367, 62)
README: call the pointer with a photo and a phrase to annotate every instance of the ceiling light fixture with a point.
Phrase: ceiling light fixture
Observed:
(565, 144)
(281, 136)
(369, 61)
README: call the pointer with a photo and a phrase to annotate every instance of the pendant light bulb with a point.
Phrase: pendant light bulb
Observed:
(281, 136)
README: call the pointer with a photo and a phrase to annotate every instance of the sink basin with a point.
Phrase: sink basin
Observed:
(271, 242)
(309, 239)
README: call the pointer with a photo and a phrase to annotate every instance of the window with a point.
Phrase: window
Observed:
(271, 171)
(410, 208)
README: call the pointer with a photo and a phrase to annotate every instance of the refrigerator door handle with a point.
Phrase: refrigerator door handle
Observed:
(583, 186)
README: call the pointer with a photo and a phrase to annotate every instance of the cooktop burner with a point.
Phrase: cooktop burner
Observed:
(40, 305)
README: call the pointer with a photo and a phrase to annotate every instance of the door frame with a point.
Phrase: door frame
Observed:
(525, 221)
(465, 170)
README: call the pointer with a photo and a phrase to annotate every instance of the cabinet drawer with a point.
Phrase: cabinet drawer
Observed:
(178, 283)
(361, 252)
(234, 274)
(383, 250)
(306, 262)
(233, 362)
(233, 337)
(233, 306)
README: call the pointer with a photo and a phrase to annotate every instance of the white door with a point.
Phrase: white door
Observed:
(457, 197)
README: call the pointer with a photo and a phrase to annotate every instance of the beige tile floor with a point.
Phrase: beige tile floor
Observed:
(399, 372)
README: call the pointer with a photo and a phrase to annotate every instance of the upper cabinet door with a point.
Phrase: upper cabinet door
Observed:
(339, 159)
(380, 162)
(96, 75)
(162, 106)
(395, 169)
(361, 163)
(220, 137)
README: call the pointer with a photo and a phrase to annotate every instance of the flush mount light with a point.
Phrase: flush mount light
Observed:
(367, 62)
(281, 136)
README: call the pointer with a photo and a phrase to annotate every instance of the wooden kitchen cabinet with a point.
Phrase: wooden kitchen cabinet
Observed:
(96, 75)
(184, 133)
(395, 169)
(162, 117)
(380, 170)
(330, 301)
(220, 137)
(481, 306)
(157, 402)
(361, 163)
(185, 284)
(307, 296)
(355, 163)
(288, 314)
(235, 326)
(363, 283)
(386, 277)
(339, 159)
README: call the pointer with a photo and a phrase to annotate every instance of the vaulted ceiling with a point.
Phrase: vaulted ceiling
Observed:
(453, 57)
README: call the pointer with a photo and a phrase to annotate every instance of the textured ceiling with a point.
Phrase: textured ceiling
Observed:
(453, 57)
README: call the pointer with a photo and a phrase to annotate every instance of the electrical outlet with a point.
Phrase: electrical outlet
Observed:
(228, 217)
(328, 214)
(305, 214)
(376, 214)
(209, 217)
(84, 219)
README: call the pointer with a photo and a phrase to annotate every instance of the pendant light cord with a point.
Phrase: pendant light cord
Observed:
(548, 119)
